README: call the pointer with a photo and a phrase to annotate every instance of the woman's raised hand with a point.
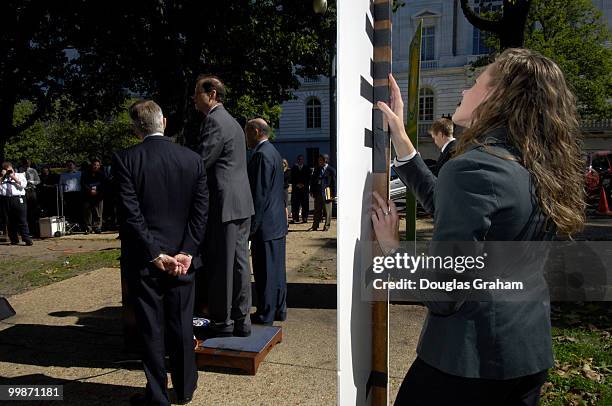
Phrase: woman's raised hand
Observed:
(395, 116)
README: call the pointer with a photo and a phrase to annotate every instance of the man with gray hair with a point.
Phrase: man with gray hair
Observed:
(162, 208)
(268, 225)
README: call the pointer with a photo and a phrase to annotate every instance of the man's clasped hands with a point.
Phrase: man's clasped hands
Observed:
(173, 265)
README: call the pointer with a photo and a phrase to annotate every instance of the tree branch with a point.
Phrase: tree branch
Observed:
(32, 118)
(477, 21)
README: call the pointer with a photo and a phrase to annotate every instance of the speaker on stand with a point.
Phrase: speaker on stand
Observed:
(6, 310)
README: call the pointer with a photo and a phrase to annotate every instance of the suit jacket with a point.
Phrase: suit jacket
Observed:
(444, 156)
(300, 176)
(162, 201)
(322, 179)
(223, 148)
(266, 179)
(93, 179)
(481, 196)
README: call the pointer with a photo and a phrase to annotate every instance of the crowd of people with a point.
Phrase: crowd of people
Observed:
(76, 193)
(318, 183)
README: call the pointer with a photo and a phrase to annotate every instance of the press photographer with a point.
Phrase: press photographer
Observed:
(13, 206)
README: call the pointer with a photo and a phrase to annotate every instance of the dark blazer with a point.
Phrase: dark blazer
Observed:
(90, 179)
(323, 179)
(266, 179)
(162, 200)
(222, 146)
(444, 157)
(300, 176)
(482, 196)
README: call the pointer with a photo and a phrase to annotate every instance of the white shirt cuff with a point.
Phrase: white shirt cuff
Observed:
(402, 160)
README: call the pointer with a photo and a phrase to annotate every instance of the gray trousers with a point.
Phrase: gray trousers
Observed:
(227, 261)
(321, 208)
(92, 213)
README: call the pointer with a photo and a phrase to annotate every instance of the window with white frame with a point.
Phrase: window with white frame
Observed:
(426, 110)
(313, 113)
(428, 43)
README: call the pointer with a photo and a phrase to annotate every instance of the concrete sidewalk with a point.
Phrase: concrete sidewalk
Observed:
(70, 333)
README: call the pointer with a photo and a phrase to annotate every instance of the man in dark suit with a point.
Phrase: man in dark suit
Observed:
(323, 190)
(268, 225)
(163, 204)
(223, 149)
(300, 184)
(441, 132)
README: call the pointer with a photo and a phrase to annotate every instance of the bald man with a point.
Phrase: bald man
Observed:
(268, 225)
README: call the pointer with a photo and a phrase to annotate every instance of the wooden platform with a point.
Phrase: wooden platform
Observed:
(239, 353)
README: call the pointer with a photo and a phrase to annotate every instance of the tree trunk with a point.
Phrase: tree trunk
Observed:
(510, 28)
(6, 125)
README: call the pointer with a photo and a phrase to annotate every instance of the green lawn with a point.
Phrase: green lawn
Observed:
(20, 275)
(583, 355)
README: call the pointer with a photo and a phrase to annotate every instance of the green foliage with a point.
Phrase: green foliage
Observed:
(573, 34)
(61, 137)
(247, 108)
(154, 49)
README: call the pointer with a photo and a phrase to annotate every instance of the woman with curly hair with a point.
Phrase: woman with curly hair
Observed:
(516, 175)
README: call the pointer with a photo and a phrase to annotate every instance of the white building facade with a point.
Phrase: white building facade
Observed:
(449, 45)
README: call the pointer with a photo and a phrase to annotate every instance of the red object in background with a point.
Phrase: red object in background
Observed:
(603, 208)
(598, 174)
(592, 180)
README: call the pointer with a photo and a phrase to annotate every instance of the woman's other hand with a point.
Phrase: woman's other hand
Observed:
(386, 223)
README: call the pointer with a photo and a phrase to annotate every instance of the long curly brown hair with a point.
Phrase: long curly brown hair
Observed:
(531, 99)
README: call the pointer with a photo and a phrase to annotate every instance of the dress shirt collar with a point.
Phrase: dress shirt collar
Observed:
(451, 139)
(153, 135)
(214, 107)
(259, 144)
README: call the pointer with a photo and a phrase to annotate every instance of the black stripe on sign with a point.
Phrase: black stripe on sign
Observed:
(382, 38)
(380, 70)
(382, 11)
(381, 93)
(367, 91)
(372, 8)
(378, 379)
(381, 143)
(368, 141)
(369, 30)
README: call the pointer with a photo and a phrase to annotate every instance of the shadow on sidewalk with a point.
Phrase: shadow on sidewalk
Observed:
(95, 341)
(76, 392)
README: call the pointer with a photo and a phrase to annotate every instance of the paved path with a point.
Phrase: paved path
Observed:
(70, 333)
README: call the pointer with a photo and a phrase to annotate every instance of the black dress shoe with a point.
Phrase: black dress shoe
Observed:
(212, 333)
(29, 243)
(241, 329)
(139, 399)
(215, 330)
(280, 316)
(256, 319)
(183, 401)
